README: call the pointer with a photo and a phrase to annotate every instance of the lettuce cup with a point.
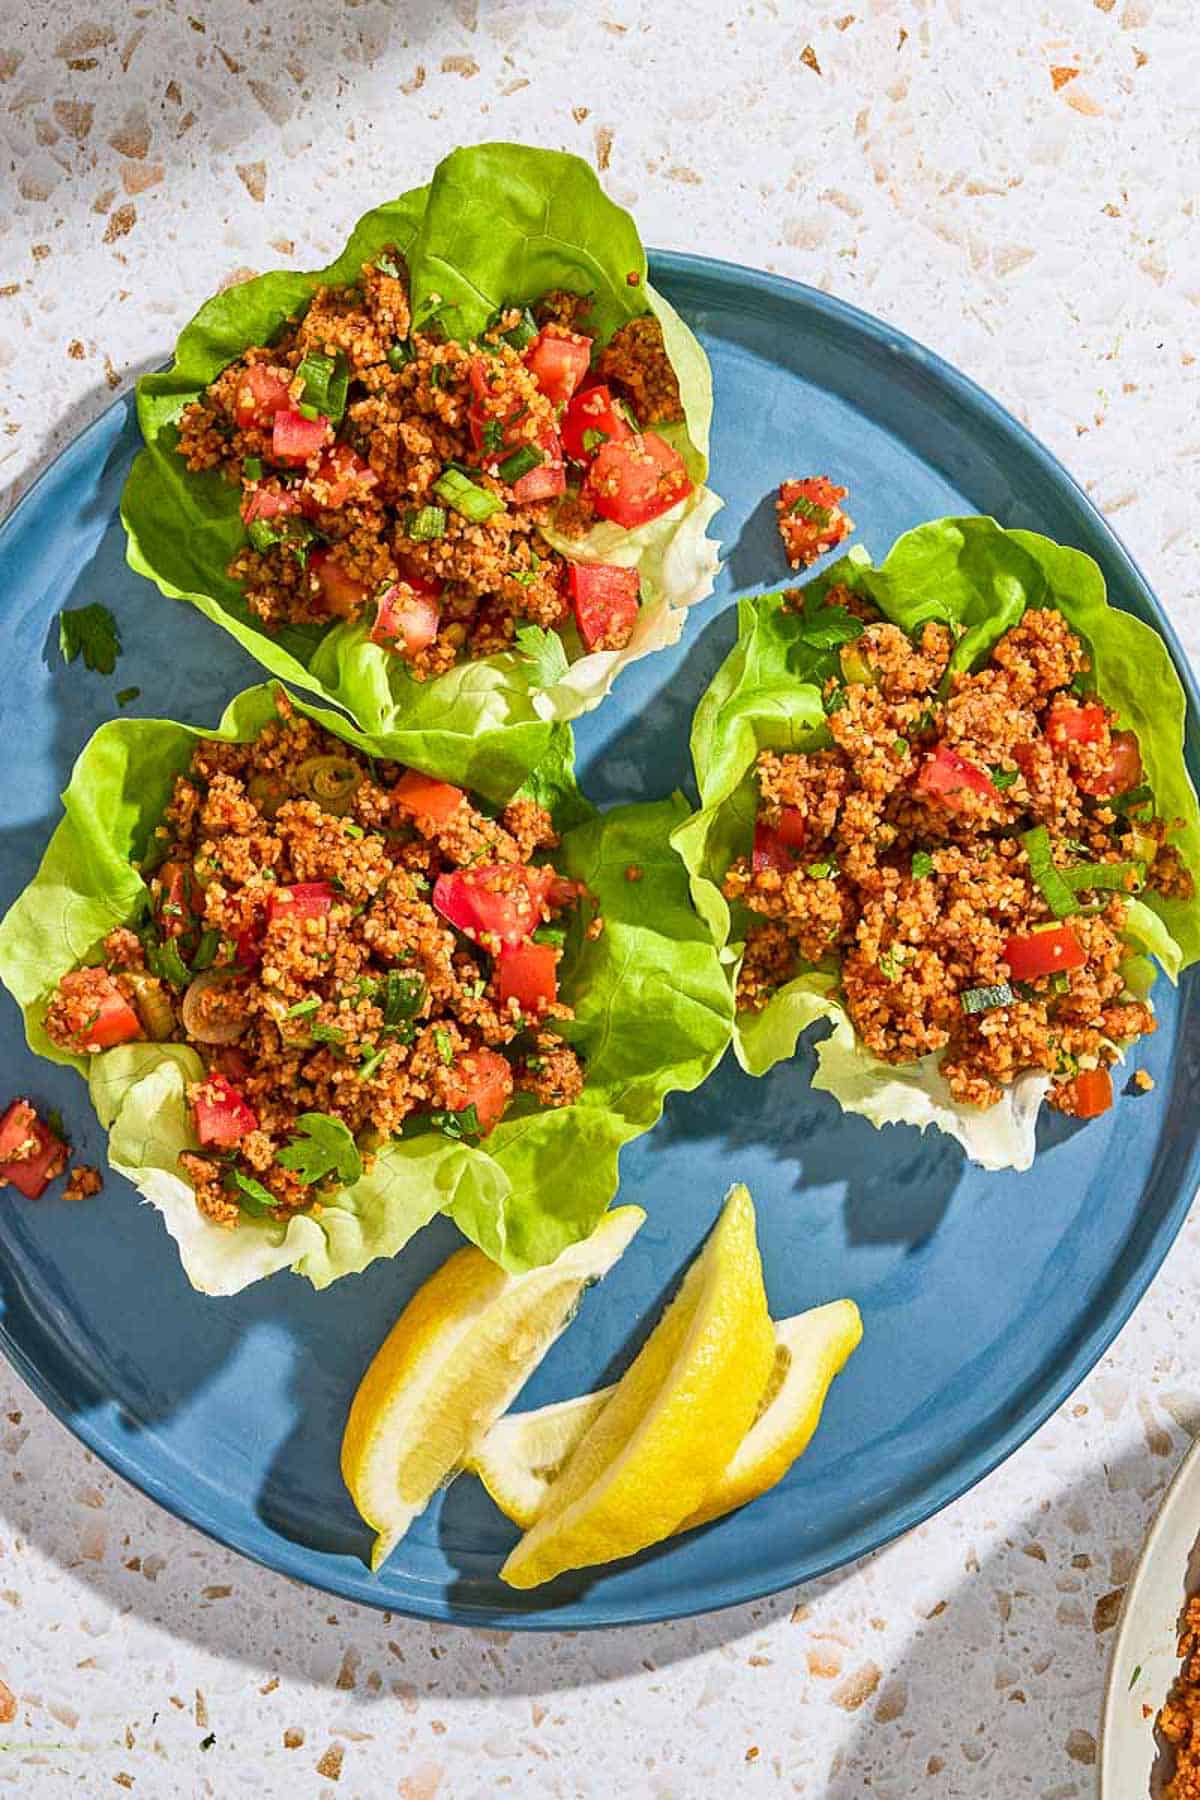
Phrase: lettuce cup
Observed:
(320, 994)
(944, 805)
(464, 464)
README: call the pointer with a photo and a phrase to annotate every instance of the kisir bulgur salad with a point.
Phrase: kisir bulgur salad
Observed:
(464, 463)
(321, 994)
(350, 947)
(944, 805)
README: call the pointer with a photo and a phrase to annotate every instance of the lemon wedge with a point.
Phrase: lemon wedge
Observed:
(524, 1453)
(647, 1460)
(454, 1360)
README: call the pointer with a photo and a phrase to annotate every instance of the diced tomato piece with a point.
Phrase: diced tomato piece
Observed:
(944, 773)
(30, 1154)
(295, 439)
(425, 799)
(1037, 953)
(527, 973)
(771, 851)
(496, 903)
(484, 1080)
(1067, 722)
(636, 480)
(261, 393)
(1088, 1094)
(248, 947)
(232, 1060)
(269, 502)
(223, 1116)
(303, 900)
(792, 827)
(341, 475)
(550, 476)
(592, 410)
(478, 370)
(605, 597)
(342, 593)
(1123, 772)
(172, 903)
(98, 1014)
(405, 620)
(558, 361)
(418, 582)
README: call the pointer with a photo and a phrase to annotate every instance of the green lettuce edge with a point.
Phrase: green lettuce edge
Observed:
(654, 1012)
(494, 226)
(974, 573)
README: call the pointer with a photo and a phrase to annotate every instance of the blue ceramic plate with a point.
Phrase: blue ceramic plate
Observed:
(986, 1298)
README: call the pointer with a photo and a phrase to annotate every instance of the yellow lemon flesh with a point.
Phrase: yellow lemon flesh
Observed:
(647, 1460)
(523, 1455)
(454, 1360)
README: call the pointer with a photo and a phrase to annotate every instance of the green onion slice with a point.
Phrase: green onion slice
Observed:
(1056, 890)
(462, 496)
(326, 382)
(520, 463)
(1124, 877)
(426, 524)
(986, 999)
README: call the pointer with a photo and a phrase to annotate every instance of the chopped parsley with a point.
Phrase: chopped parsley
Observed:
(322, 1146)
(819, 516)
(922, 864)
(544, 650)
(90, 632)
(1002, 778)
(254, 1197)
(444, 1043)
(457, 1125)
(303, 1009)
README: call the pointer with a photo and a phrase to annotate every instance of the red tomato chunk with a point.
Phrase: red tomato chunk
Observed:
(405, 619)
(605, 598)
(262, 392)
(296, 440)
(1043, 953)
(945, 772)
(30, 1153)
(1088, 1094)
(342, 592)
(637, 480)
(223, 1117)
(304, 900)
(94, 1012)
(484, 1081)
(422, 797)
(1067, 722)
(1123, 772)
(591, 418)
(548, 479)
(494, 904)
(558, 361)
(527, 973)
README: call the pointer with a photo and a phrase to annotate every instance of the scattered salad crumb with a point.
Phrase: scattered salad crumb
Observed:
(1143, 1081)
(811, 520)
(31, 1154)
(1179, 1720)
(83, 1182)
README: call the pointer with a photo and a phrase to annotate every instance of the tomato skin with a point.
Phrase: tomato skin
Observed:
(1069, 722)
(549, 479)
(1090, 1093)
(261, 393)
(771, 851)
(295, 440)
(172, 908)
(30, 1175)
(528, 974)
(494, 904)
(269, 502)
(405, 620)
(637, 479)
(592, 409)
(342, 593)
(303, 900)
(605, 598)
(1123, 772)
(484, 1080)
(223, 1116)
(1036, 953)
(341, 475)
(248, 948)
(944, 773)
(558, 361)
(425, 799)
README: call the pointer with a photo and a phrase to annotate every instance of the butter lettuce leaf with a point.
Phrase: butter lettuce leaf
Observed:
(654, 1011)
(980, 578)
(498, 224)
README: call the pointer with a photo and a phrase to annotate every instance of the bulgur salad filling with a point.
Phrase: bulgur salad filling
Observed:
(944, 806)
(352, 948)
(321, 994)
(395, 476)
(966, 849)
(469, 457)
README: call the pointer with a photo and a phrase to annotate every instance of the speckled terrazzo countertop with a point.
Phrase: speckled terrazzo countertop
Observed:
(1016, 185)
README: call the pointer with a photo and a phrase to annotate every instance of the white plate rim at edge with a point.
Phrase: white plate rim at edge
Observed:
(1146, 1639)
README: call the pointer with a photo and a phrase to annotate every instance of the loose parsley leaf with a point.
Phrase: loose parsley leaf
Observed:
(461, 1124)
(405, 997)
(544, 650)
(1002, 778)
(303, 1008)
(127, 696)
(90, 632)
(922, 864)
(166, 962)
(255, 1198)
(322, 1146)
